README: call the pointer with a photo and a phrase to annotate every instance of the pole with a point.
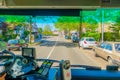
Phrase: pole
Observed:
(30, 29)
(80, 27)
(102, 25)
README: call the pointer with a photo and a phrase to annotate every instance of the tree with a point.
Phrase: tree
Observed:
(26, 33)
(67, 23)
(115, 27)
(40, 30)
(15, 21)
(47, 30)
(90, 20)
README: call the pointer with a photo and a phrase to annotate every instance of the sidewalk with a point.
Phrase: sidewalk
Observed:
(33, 44)
(36, 43)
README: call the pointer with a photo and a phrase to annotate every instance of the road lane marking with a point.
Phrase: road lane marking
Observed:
(52, 49)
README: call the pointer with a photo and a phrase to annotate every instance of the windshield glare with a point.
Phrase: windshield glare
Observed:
(63, 37)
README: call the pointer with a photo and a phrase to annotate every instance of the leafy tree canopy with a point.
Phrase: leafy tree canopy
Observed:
(47, 30)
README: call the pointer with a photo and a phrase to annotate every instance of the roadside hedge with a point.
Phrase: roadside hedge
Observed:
(108, 36)
(95, 35)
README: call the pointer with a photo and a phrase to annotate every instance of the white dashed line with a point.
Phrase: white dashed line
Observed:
(52, 49)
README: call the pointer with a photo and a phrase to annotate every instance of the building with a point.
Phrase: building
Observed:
(106, 27)
(56, 32)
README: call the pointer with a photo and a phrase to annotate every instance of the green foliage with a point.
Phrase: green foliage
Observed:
(95, 35)
(26, 33)
(16, 19)
(40, 30)
(47, 30)
(67, 23)
(91, 19)
(13, 36)
(8, 37)
(116, 26)
(108, 36)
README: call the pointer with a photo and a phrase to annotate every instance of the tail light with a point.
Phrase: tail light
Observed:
(85, 42)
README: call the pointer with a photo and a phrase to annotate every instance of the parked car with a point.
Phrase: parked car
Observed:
(67, 37)
(74, 37)
(109, 51)
(87, 42)
(16, 44)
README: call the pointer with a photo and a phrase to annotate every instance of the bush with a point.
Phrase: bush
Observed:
(95, 35)
(110, 36)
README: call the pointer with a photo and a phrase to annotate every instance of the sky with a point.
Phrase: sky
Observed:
(42, 21)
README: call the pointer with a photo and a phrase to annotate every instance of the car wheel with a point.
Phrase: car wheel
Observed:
(96, 55)
(110, 61)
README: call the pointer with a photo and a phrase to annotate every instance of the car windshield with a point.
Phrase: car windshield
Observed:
(13, 42)
(51, 33)
(117, 47)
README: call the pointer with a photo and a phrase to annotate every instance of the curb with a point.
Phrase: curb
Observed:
(33, 44)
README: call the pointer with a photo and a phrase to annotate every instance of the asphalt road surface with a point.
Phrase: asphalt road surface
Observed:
(59, 48)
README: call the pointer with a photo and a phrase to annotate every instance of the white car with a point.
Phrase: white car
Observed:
(87, 42)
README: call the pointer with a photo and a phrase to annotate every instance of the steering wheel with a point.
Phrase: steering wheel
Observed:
(6, 61)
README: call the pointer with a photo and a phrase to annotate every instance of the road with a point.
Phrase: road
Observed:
(59, 48)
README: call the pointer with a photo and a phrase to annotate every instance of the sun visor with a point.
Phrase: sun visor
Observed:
(53, 4)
